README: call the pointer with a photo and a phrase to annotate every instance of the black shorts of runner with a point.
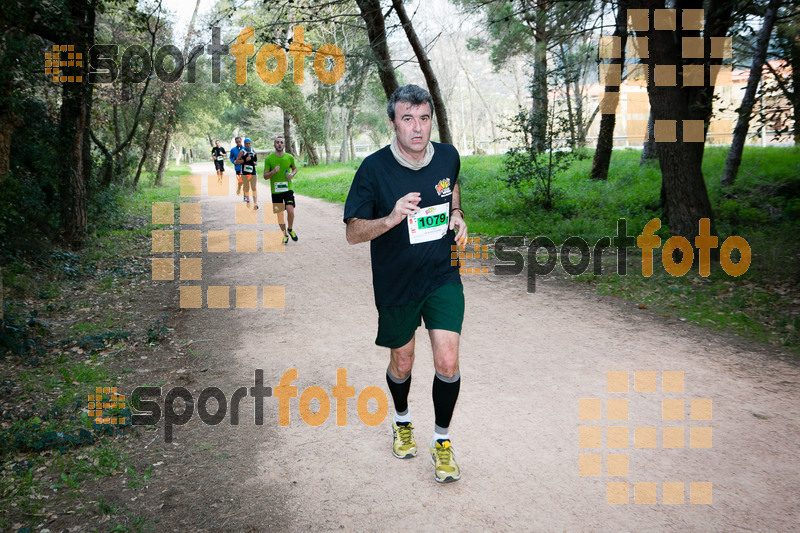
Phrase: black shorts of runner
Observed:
(286, 198)
(239, 175)
(441, 309)
(219, 165)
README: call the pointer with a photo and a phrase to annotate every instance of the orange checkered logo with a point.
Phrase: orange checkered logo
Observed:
(106, 398)
(459, 254)
(607, 421)
(63, 56)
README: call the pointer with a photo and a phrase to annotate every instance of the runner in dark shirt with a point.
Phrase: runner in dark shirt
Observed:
(248, 159)
(218, 154)
(405, 200)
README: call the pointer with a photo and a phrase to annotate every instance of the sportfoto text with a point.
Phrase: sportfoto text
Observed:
(149, 410)
(505, 250)
(137, 64)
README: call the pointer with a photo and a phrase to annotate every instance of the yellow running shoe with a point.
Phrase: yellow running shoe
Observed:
(444, 462)
(404, 446)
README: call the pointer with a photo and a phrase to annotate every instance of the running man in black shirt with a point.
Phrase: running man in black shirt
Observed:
(405, 200)
(218, 154)
(248, 159)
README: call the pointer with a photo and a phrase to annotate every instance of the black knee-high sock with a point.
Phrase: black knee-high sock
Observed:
(399, 390)
(445, 394)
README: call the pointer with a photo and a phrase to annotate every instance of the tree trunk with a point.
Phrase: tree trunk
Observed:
(106, 170)
(146, 147)
(649, 146)
(571, 119)
(76, 104)
(343, 150)
(376, 31)
(8, 123)
(287, 134)
(74, 122)
(328, 134)
(748, 100)
(430, 78)
(171, 108)
(539, 85)
(313, 156)
(686, 196)
(608, 121)
(582, 126)
(162, 162)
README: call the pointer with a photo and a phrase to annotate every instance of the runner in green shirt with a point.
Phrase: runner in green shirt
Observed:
(280, 169)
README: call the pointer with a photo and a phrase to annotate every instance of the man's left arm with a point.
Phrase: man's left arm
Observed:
(456, 219)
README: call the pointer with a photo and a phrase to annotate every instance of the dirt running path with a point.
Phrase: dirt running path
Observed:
(526, 360)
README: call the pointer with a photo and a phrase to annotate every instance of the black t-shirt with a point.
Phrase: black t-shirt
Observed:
(249, 160)
(218, 152)
(403, 272)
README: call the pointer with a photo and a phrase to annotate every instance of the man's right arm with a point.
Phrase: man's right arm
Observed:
(363, 230)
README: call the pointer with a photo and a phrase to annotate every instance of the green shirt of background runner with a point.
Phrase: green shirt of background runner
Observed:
(286, 162)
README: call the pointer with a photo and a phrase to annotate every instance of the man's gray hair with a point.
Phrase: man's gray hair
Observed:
(414, 95)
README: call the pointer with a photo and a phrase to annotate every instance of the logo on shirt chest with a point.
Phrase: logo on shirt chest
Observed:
(443, 188)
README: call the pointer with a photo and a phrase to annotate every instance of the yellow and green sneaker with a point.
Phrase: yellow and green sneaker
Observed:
(403, 446)
(444, 463)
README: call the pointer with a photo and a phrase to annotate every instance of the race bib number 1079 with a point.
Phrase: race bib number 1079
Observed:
(428, 224)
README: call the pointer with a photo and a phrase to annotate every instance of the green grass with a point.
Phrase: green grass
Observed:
(331, 182)
(49, 445)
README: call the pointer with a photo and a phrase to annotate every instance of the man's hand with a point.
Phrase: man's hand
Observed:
(458, 225)
(404, 207)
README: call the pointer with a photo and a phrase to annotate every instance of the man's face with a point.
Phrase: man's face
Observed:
(279, 144)
(412, 126)
(217, 144)
(238, 141)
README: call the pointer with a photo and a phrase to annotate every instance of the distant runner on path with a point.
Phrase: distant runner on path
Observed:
(283, 170)
(249, 159)
(405, 200)
(218, 154)
(234, 153)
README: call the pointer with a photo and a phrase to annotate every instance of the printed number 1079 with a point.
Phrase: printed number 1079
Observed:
(436, 220)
